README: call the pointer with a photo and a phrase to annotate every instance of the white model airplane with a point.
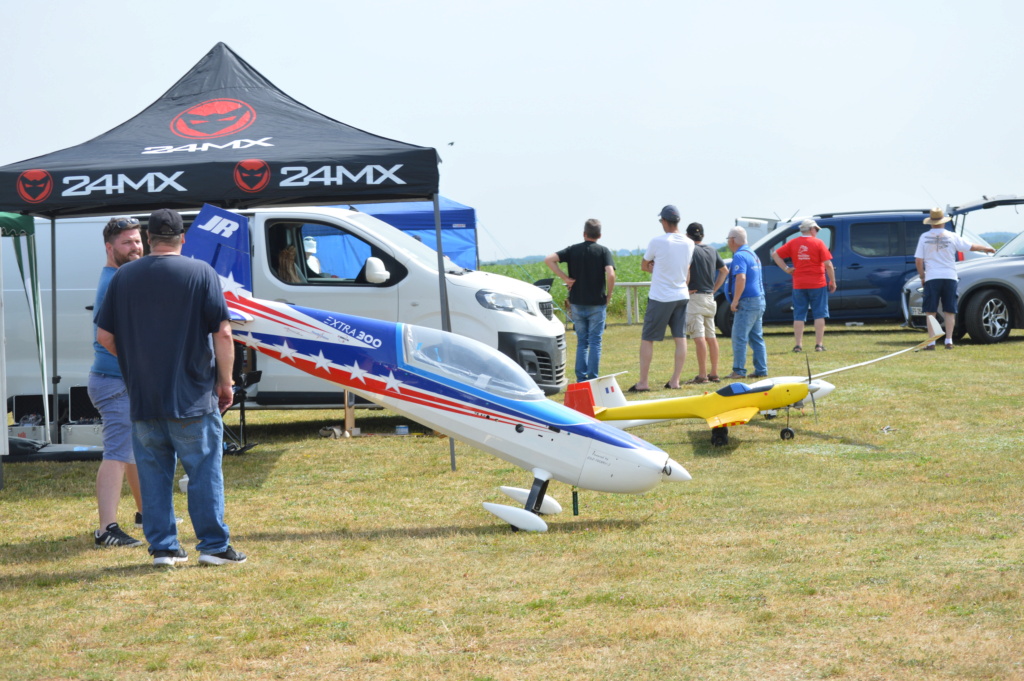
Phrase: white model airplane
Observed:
(447, 382)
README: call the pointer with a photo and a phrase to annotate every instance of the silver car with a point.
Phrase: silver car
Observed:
(991, 294)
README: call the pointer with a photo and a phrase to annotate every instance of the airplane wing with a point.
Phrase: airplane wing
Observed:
(917, 347)
(736, 417)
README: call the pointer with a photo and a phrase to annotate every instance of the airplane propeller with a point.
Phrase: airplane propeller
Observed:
(811, 388)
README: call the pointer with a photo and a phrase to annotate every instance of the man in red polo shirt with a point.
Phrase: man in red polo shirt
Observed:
(813, 279)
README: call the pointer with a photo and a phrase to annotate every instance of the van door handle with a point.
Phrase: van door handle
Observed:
(854, 266)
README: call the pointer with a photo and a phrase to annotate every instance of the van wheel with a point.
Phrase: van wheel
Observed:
(987, 317)
(723, 317)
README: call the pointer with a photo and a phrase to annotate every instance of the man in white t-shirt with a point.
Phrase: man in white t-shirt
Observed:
(668, 260)
(936, 265)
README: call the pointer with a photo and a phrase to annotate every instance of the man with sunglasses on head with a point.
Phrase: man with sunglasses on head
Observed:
(814, 278)
(166, 320)
(109, 395)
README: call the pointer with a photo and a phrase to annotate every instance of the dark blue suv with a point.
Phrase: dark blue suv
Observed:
(873, 256)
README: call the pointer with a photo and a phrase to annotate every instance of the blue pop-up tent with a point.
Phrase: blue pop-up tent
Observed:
(458, 226)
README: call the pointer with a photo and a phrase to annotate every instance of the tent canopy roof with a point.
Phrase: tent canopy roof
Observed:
(225, 135)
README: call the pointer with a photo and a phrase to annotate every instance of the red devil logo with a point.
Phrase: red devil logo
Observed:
(34, 186)
(213, 118)
(252, 175)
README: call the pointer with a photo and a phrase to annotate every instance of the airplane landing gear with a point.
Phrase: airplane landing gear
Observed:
(719, 436)
(787, 433)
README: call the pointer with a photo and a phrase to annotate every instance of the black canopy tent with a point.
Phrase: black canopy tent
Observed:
(224, 135)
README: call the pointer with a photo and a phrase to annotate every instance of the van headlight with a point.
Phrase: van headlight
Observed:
(493, 300)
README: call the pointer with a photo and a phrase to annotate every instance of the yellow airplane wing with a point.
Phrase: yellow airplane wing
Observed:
(735, 417)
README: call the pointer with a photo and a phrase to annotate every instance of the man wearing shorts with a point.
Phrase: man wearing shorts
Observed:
(814, 278)
(668, 260)
(707, 274)
(936, 257)
(110, 397)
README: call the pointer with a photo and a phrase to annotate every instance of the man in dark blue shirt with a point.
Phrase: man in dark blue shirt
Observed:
(165, 319)
(590, 281)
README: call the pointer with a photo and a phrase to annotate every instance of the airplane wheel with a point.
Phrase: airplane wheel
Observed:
(787, 433)
(719, 437)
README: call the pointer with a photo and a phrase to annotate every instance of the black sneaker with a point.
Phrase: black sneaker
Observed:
(223, 558)
(114, 536)
(169, 558)
(138, 520)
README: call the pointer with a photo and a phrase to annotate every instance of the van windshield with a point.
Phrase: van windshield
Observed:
(468, 362)
(413, 248)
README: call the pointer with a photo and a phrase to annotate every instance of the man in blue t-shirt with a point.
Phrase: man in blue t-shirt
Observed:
(107, 391)
(590, 281)
(746, 289)
(165, 319)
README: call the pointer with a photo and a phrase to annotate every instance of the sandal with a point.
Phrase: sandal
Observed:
(668, 386)
(714, 378)
(698, 380)
(634, 389)
(819, 348)
(798, 348)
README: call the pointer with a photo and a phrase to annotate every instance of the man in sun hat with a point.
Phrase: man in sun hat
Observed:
(936, 265)
(165, 319)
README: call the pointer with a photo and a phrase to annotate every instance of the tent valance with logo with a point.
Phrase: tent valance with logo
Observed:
(224, 135)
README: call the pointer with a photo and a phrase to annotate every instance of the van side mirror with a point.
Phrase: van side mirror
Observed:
(376, 273)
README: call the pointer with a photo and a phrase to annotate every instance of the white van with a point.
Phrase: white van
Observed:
(306, 256)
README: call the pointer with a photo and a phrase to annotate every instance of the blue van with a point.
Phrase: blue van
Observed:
(873, 256)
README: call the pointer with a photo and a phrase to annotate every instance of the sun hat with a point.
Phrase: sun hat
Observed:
(936, 217)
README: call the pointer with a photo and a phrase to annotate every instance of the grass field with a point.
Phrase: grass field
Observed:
(884, 542)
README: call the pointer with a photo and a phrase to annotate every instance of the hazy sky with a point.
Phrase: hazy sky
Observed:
(562, 111)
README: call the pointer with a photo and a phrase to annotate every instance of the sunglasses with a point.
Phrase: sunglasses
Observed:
(124, 223)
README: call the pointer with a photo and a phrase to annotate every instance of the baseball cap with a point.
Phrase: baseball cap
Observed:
(165, 222)
(670, 213)
(695, 231)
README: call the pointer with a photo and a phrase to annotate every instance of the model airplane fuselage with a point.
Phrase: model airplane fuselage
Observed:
(447, 382)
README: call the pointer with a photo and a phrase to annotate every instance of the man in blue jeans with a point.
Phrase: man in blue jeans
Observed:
(746, 288)
(165, 319)
(590, 281)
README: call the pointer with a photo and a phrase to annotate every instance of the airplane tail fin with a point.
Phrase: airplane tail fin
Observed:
(606, 391)
(579, 397)
(221, 238)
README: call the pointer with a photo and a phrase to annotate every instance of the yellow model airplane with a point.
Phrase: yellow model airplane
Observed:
(731, 405)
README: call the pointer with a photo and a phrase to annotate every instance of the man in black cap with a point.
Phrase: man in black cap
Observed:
(165, 319)
(668, 260)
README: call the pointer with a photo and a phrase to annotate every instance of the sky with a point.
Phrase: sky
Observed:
(548, 113)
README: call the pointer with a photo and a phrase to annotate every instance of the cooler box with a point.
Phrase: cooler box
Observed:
(37, 433)
(82, 434)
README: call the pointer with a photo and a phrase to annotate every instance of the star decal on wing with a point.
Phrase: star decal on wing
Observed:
(250, 340)
(321, 362)
(286, 351)
(392, 383)
(229, 285)
(355, 372)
